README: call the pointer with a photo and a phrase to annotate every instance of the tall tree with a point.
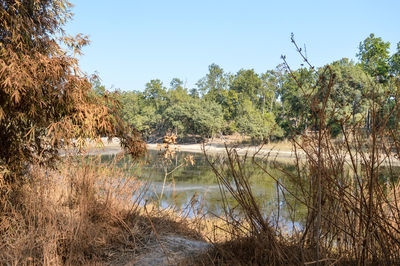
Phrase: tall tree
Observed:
(294, 95)
(156, 94)
(374, 56)
(268, 94)
(45, 101)
(177, 93)
(140, 112)
(251, 122)
(247, 83)
(395, 62)
(351, 83)
(214, 85)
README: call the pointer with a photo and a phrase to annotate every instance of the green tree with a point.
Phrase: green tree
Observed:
(140, 112)
(194, 117)
(194, 93)
(374, 56)
(395, 62)
(247, 84)
(214, 85)
(98, 88)
(377, 62)
(347, 98)
(271, 82)
(253, 123)
(294, 95)
(230, 108)
(156, 94)
(177, 93)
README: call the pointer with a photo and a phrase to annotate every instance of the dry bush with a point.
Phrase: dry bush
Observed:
(349, 186)
(253, 239)
(88, 212)
(46, 102)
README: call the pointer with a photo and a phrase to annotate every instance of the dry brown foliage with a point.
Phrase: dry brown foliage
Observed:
(253, 238)
(47, 103)
(87, 213)
(45, 100)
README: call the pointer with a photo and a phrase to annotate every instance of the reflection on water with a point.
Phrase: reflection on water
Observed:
(196, 185)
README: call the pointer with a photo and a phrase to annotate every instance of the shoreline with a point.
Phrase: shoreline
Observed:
(219, 148)
(111, 148)
(278, 152)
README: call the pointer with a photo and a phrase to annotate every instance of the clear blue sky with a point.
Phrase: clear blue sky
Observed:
(135, 41)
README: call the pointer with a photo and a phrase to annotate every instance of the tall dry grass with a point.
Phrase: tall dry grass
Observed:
(252, 237)
(81, 213)
(88, 212)
(348, 185)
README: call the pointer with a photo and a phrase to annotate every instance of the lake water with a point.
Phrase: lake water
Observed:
(195, 188)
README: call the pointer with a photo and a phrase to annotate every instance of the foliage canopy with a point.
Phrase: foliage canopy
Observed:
(45, 100)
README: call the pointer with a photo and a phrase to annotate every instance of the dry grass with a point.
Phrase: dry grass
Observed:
(86, 213)
(341, 236)
(349, 187)
(250, 238)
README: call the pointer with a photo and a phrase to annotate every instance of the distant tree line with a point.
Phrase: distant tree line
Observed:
(265, 106)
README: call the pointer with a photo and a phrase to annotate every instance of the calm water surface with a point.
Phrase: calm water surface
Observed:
(196, 185)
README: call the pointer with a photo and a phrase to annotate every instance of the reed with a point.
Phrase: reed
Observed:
(349, 186)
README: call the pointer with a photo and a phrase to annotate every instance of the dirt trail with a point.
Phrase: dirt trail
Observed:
(174, 250)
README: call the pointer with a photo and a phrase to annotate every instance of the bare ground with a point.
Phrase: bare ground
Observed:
(171, 250)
